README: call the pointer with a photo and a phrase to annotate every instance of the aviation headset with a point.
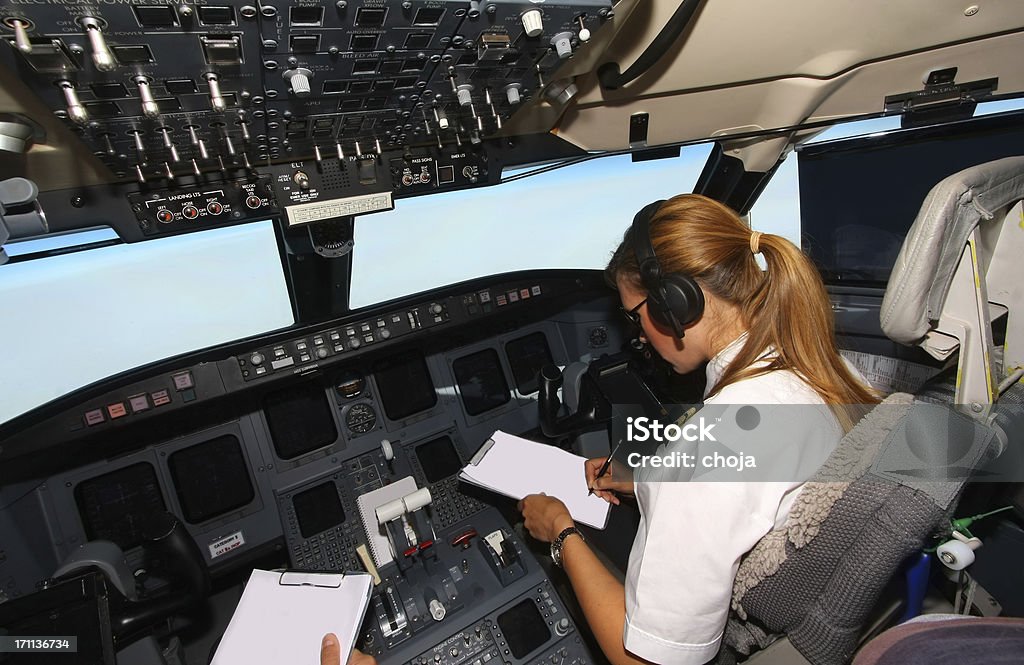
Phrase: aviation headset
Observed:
(673, 299)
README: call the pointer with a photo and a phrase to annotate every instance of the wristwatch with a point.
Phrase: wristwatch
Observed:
(556, 544)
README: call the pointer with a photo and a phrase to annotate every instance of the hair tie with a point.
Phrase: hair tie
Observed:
(755, 242)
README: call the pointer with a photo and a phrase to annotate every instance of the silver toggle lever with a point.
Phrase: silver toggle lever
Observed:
(21, 36)
(101, 55)
(140, 147)
(149, 107)
(76, 111)
(243, 124)
(441, 118)
(217, 100)
(171, 148)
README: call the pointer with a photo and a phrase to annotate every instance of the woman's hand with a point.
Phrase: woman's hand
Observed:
(330, 653)
(607, 486)
(545, 516)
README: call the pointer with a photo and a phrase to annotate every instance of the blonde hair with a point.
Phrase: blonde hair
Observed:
(785, 307)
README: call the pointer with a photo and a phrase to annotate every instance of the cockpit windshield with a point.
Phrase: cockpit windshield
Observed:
(95, 313)
(111, 309)
(580, 211)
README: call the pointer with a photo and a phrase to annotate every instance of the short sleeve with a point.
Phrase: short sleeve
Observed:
(683, 562)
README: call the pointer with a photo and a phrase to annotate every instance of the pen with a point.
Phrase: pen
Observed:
(604, 467)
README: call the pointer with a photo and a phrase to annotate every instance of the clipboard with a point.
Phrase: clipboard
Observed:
(283, 616)
(306, 578)
(516, 467)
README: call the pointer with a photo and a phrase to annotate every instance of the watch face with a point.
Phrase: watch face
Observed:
(556, 552)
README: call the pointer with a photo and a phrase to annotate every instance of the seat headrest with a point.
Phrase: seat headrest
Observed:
(930, 254)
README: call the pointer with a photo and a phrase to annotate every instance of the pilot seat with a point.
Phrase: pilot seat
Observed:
(808, 592)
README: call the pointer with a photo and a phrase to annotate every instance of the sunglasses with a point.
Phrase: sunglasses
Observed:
(633, 315)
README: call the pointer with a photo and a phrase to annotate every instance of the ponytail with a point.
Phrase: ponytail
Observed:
(792, 313)
(785, 308)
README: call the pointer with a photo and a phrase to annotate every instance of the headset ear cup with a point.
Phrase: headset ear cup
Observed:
(658, 309)
(683, 298)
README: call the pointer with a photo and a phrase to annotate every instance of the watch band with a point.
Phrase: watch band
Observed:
(559, 541)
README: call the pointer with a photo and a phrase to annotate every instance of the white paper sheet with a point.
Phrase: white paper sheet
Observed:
(278, 623)
(516, 467)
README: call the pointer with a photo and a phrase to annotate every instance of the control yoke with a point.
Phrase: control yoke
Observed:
(180, 561)
(591, 411)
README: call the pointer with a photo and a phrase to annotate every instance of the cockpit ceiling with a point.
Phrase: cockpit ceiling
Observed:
(762, 106)
(746, 66)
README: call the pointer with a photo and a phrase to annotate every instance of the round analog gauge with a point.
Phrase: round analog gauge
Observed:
(350, 385)
(361, 418)
(598, 337)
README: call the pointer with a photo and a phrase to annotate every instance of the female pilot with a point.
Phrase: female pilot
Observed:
(687, 275)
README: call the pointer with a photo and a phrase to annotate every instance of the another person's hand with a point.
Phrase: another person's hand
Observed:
(544, 516)
(608, 486)
(330, 653)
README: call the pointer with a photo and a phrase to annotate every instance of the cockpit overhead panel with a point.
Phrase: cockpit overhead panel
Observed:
(161, 92)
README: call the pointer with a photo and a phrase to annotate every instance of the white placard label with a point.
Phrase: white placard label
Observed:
(222, 546)
(307, 213)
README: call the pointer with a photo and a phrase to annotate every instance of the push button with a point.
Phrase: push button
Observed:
(117, 410)
(139, 403)
(94, 417)
(183, 381)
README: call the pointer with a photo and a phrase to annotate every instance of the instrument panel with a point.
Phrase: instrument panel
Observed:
(314, 472)
(341, 347)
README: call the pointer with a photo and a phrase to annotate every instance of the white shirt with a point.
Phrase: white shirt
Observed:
(692, 534)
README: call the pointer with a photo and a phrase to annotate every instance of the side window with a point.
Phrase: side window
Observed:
(777, 210)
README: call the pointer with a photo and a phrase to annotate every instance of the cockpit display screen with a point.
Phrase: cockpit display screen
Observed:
(405, 386)
(481, 380)
(211, 478)
(118, 506)
(318, 509)
(526, 356)
(524, 628)
(300, 420)
(438, 459)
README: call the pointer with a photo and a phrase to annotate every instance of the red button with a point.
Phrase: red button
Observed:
(117, 410)
(164, 216)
